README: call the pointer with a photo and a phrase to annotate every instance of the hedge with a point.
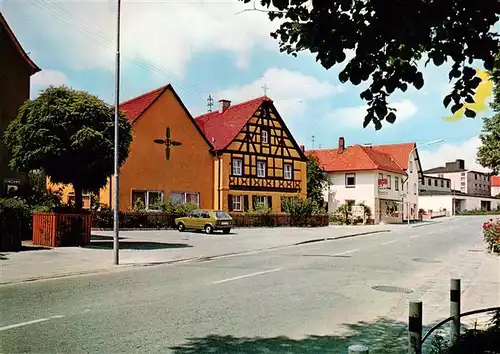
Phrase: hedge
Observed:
(478, 212)
(157, 220)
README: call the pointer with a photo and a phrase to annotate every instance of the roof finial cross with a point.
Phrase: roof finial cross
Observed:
(265, 88)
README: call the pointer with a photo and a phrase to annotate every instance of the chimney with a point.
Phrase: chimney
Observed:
(303, 148)
(341, 145)
(223, 105)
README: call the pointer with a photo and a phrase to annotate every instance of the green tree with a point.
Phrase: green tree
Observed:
(388, 39)
(69, 135)
(488, 154)
(317, 181)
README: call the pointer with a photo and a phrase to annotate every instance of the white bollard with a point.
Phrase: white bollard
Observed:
(358, 349)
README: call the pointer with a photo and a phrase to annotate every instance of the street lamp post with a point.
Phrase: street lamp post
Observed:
(116, 223)
(408, 178)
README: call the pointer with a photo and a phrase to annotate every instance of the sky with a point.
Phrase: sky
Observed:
(223, 49)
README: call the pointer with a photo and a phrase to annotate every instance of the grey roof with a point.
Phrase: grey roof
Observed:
(444, 170)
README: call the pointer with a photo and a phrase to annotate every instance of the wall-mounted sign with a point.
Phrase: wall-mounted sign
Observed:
(11, 185)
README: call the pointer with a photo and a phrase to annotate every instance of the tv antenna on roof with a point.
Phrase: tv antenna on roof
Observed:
(210, 103)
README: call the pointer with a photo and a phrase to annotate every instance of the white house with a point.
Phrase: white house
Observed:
(383, 177)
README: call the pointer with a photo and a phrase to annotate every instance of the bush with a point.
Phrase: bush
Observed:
(301, 211)
(491, 234)
(15, 223)
(478, 212)
(472, 341)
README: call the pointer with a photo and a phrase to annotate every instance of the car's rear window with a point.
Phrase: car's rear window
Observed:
(221, 215)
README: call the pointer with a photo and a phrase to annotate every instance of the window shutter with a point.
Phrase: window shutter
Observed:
(230, 202)
(254, 202)
(245, 203)
(270, 202)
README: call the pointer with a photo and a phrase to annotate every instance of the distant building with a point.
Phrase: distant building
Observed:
(454, 188)
(432, 183)
(495, 186)
(464, 180)
(16, 68)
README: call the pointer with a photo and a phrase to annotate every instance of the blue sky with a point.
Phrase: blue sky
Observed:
(203, 48)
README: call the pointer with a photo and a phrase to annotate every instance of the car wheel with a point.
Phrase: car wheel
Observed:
(226, 231)
(208, 229)
(181, 227)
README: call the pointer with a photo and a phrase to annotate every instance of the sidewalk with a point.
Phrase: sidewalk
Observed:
(140, 248)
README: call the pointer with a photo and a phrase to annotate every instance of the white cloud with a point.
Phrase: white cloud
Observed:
(48, 78)
(290, 90)
(355, 116)
(165, 33)
(450, 152)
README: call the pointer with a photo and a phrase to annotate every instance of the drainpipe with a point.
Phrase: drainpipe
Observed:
(218, 180)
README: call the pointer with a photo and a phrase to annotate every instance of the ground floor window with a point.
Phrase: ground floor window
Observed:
(185, 197)
(149, 200)
(237, 202)
(85, 200)
(262, 202)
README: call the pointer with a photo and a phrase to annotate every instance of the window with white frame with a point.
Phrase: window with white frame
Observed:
(350, 180)
(288, 170)
(237, 167)
(185, 197)
(389, 182)
(259, 201)
(264, 134)
(261, 169)
(237, 203)
(150, 200)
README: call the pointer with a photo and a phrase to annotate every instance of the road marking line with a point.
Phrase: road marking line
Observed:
(29, 322)
(246, 276)
(388, 242)
(346, 252)
(414, 236)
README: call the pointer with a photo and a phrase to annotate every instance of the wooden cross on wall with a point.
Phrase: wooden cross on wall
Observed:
(167, 142)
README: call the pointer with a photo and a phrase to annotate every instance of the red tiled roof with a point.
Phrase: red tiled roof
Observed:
(221, 128)
(134, 107)
(356, 158)
(495, 181)
(34, 68)
(400, 152)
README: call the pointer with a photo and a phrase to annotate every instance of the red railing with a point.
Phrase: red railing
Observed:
(60, 229)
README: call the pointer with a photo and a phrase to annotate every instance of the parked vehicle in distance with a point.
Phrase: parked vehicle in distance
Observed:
(206, 220)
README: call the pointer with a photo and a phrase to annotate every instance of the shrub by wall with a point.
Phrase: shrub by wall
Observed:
(158, 220)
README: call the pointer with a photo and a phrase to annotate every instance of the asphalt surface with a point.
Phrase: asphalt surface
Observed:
(313, 298)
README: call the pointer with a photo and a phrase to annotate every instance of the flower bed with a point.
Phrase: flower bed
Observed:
(491, 234)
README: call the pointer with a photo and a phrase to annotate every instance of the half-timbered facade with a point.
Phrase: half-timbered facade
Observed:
(257, 160)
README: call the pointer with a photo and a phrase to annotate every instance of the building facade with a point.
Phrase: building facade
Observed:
(433, 183)
(257, 160)
(237, 158)
(383, 177)
(466, 181)
(16, 68)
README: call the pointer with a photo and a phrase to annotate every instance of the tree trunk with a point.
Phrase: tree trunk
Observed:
(78, 197)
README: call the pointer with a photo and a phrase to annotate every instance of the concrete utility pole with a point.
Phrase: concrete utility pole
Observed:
(116, 221)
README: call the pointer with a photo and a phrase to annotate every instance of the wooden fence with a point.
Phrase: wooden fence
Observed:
(61, 229)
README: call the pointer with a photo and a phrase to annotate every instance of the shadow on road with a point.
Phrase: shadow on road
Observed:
(383, 336)
(103, 238)
(136, 245)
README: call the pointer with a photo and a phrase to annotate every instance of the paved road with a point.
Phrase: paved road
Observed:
(313, 298)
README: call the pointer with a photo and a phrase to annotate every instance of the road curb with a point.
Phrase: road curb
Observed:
(341, 237)
(183, 260)
(427, 224)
